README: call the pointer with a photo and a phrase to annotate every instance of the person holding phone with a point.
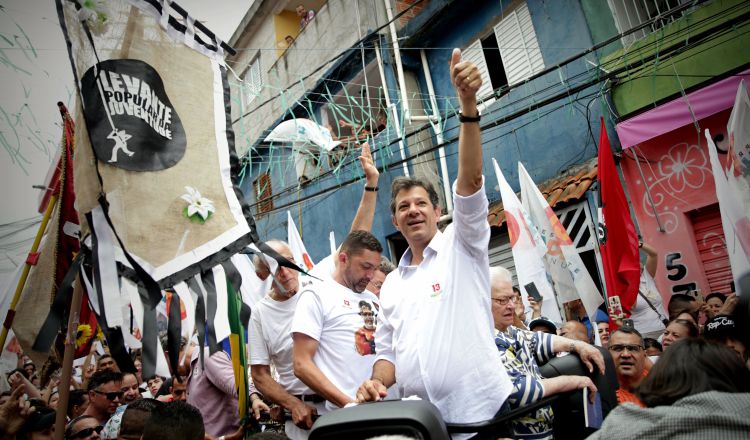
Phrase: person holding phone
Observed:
(521, 351)
(648, 313)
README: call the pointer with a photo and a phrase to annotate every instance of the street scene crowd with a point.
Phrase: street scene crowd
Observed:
(441, 325)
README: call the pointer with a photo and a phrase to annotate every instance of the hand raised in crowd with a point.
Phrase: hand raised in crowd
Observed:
(729, 305)
(14, 412)
(590, 356)
(371, 391)
(465, 76)
(368, 165)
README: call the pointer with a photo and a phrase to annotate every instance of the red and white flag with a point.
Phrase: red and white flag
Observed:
(299, 252)
(528, 250)
(569, 275)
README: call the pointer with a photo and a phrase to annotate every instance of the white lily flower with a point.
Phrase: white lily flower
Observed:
(197, 204)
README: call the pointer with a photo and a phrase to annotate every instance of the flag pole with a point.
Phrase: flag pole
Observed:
(30, 261)
(63, 389)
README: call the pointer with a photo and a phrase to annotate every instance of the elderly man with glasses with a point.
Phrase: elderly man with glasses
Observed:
(521, 350)
(626, 347)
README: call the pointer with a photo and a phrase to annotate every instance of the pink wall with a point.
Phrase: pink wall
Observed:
(678, 172)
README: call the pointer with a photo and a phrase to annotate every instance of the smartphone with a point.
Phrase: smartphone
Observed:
(533, 292)
(628, 323)
(615, 307)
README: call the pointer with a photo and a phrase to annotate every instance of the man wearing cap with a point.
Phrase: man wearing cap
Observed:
(722, 329)
(521, 350)
(542, 324)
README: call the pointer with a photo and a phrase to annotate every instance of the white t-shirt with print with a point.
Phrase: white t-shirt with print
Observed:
(271, 341)
(335, 316)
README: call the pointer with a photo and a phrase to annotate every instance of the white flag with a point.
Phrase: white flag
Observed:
(528, 250)
(301, 257)
(734, 214)
(569, 275)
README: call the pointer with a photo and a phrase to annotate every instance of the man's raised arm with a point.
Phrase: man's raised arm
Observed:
(366, 211)
(466, 80)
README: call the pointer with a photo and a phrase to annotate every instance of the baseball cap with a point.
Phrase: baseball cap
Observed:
(720, 327)
(544, 322)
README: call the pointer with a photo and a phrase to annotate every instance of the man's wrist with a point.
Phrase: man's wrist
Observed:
(573, 347)
(375, 378)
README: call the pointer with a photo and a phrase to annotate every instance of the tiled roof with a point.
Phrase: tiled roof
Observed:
(568, 187)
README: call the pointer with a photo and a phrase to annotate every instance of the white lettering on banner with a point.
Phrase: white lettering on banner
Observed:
(125, 94)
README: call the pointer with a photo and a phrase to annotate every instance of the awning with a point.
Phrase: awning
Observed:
(677, 113)
(569, 187)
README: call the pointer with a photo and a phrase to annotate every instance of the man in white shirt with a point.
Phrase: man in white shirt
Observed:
(333, 323)
(270, 343)
(441, 288)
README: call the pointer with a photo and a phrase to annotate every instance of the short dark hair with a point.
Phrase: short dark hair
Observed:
(69, 427)
(652, 343)
(406, 183)
(358, 241)
(713, 295)
(101, 377)
(175, 420)
(76, 398)
(693, 366)
(627, 331)
(681, 303)
(134, 418)
(365, 304)
(692, 328)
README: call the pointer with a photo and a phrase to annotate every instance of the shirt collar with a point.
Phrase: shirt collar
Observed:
(432, 248)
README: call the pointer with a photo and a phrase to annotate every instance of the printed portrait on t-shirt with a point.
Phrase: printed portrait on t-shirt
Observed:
(364, 337)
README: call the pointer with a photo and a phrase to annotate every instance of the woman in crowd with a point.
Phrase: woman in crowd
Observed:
(677, 330)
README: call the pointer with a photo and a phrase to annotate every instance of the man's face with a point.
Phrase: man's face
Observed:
(301, 11)
(288, 278)
(359, 268)
(106, 363)
(130, 388)
(503, 306)
(368, 315)
(603, 329)
(574, 330)
(713, 306)
(376, 282)
(30, 369)
(415, 217)
(88, 424)
(628, 354)
(179, 390)
(153, 385)
(107, 397)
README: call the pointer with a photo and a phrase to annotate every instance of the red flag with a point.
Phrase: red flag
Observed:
(618, 239)
(68, 244)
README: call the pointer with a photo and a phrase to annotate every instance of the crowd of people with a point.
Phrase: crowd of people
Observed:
(443, 326)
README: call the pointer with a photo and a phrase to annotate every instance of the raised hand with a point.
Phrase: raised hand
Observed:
(465, 76)
(368, 165)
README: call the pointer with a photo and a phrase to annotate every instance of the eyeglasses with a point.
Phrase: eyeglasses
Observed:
(110, 396)
(86, 432)
(178, 392)
(618, 348)
(506, 300)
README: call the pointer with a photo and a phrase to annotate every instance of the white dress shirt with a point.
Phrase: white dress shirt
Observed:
(436, 322)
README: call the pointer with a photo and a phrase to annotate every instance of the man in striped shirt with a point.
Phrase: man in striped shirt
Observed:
(520, 351)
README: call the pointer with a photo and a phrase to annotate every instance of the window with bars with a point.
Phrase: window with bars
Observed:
(509, 55)
(631, 13)
(263, 192)
(253, 83)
